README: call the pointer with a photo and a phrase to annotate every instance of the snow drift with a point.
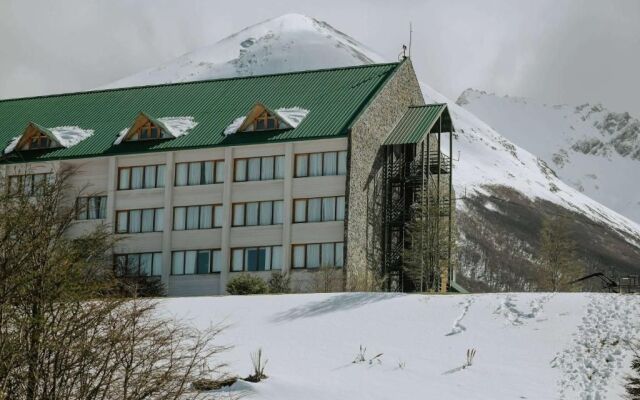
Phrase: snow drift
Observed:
(528, 346)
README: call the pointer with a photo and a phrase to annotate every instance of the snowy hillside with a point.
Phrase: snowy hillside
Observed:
(529, 346)
(506, 191)
(591, 148)
(488, 158)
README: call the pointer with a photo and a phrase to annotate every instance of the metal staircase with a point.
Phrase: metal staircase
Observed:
(413, 176)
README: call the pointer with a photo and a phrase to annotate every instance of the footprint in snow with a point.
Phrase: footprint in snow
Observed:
(457, 324)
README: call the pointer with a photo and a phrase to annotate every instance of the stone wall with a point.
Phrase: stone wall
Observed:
(363, 220)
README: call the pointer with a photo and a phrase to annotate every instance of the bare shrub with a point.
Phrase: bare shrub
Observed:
(633, 379)
(471, 353)
(327, 279)
(279, 283)
(259, 365)
(361, 357)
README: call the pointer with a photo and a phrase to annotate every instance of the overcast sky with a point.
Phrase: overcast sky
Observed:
(556, 51)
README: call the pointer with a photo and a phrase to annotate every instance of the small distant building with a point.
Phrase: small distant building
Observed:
(205, 180)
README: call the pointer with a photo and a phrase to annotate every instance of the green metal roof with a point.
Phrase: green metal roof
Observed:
(334, 98)
(415, 123)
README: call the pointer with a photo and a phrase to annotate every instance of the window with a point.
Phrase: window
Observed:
(321, 164)
(314, 210)
(145, 177)
(140, 221)
(39, 141)
(258, 213)
(148, 131)
(317, 255)
(259, 168)
(197, 217)
(265, 121)
(191, 262)
(199, 173)
(264, 258)
(29, 184)
(319, 209)
(93, 207)
(138, 264)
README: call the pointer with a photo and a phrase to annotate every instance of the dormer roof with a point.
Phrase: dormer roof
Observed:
(59, 137)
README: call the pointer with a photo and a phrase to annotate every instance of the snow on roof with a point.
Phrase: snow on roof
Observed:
(235, 125)
(69, 136)
(66, 136)
(176, 127)
(12, 144)
(292, 116)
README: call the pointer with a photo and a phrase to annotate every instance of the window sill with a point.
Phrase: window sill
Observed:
(318, 176)
(257, 226)
(158, 189)
(261, 180)
(197, 230)
(138, 233)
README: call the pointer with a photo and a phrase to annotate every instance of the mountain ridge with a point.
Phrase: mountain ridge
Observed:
(593, 149)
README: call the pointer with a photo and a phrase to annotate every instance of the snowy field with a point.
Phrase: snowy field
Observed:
(529, 346)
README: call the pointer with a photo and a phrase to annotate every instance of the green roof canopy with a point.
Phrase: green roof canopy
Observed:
(417, 122)
(334, 98)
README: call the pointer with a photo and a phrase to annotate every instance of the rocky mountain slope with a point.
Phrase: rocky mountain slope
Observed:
(504, 191)
(594, 150)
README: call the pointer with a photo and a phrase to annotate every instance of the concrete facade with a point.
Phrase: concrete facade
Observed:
(98, 176)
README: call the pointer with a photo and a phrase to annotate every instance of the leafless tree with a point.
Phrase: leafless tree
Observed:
(558, 263)
(67, 330)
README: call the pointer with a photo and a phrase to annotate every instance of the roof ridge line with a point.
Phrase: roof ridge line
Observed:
(198, 81)
(429, 105)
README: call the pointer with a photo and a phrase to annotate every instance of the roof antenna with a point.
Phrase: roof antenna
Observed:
(403, 55)
(410, 37)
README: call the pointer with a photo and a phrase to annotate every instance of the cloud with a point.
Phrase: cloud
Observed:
(553, 50)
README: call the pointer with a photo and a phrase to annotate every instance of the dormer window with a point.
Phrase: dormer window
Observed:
(261, 118)
(148, 131)
(37, 137)
(38, 141)
(146, 127)
(265, 122)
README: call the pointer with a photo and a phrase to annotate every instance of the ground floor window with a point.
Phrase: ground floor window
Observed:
(190, 262)
(138, 264)
(316, 255)
(264, 258)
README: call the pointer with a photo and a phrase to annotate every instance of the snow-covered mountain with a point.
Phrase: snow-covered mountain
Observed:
(291, 42)
(591, 148)
(505, 190)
